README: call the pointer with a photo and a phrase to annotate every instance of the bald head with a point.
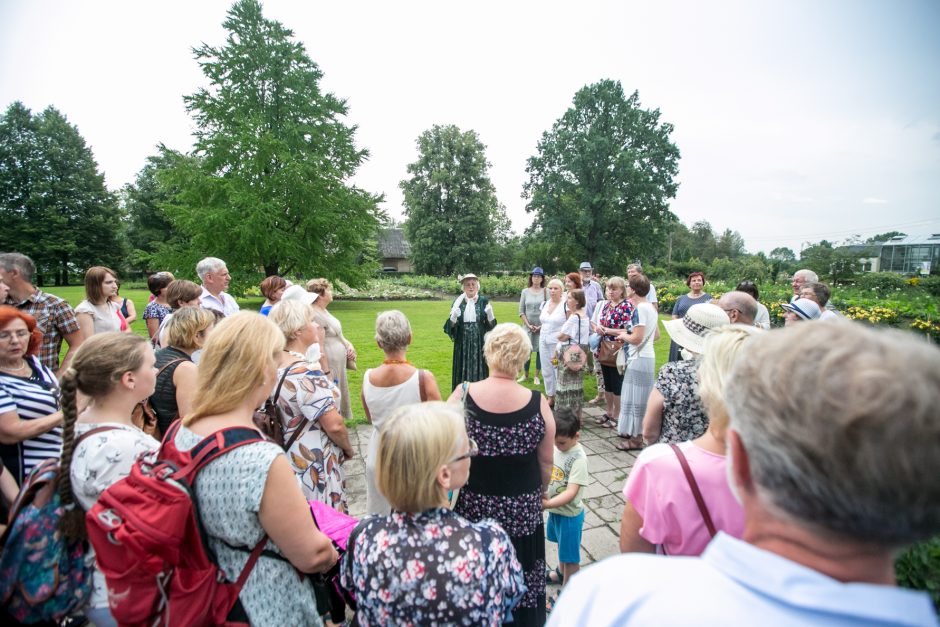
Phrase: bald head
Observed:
(740, 307)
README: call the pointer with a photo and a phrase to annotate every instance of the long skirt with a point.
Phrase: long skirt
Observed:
(638, 382)
(468, 363)
(571, 385)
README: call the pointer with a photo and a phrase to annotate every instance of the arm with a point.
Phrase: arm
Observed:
(431, 391)
(321, 340)
(546, 449)
(74, 340)
(562, 499)
(630, 539)
(86, 326)
(635, 337)
(653, 419)
(184, 378)
(285, 516)
(152, 325)
(335, 429)
(14, 430)
(365, 408)
(131, 311)
(8, 487)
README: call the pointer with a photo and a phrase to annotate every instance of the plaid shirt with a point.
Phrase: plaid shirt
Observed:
(55, 318)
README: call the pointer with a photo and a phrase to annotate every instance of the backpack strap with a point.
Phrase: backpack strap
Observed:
(695, 490)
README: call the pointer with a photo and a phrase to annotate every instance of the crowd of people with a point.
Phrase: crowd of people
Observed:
(755, 460)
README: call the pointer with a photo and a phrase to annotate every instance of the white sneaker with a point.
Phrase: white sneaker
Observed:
(521, 378)
(536, 380)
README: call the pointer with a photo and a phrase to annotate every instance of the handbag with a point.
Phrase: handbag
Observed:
(572, 355)
(270, 418)
(607, 352)
(143, 416)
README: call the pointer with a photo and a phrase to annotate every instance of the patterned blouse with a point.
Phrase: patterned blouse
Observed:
(683, 416)
(617, 316)
(431, 568)
(156, 311)
(315, 458)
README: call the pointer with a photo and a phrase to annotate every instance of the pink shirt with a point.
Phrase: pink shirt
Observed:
(660, 493)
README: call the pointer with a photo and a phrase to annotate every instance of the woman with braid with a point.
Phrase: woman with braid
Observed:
(115, 371)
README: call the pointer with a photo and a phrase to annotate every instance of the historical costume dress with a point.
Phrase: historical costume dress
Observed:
(469, 321)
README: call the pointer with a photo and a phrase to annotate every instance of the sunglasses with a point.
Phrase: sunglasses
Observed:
(473, 452)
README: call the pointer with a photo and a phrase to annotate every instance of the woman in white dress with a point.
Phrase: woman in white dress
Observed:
(338, 349)
(553, 318)
(98, 313)
(392, 385)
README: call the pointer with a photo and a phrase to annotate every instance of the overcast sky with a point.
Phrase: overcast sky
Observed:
(797, 120)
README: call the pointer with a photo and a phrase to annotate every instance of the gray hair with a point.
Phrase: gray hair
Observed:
(207, 265)
(506, 348)
(808, 275)
(290, 316)
(743, 302)
(19, 262)
(835, 438)
(820, 290)
(635, 266)
(392, 330)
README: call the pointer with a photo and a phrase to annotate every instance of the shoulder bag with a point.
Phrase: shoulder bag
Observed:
(572, 355)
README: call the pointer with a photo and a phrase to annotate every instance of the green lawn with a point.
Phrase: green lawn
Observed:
(431, 348)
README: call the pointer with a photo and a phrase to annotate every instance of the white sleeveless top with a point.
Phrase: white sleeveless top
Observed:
(381, 403)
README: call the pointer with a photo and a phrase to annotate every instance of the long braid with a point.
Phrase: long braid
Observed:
(72, 523)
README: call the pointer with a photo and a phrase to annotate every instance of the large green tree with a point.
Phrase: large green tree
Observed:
(267, 185)
(454, 221)
(603, 176)
(148, 228)
(54, 205)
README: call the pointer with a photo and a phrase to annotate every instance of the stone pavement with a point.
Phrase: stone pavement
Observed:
(602, 499)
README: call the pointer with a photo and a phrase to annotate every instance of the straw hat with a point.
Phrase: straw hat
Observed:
(468, 276)
(295, 292)
(804, 308)
(689, 331)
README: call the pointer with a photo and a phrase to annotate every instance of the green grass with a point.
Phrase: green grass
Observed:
(431, 349)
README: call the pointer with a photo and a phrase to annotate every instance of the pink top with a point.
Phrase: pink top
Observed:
(660, 493)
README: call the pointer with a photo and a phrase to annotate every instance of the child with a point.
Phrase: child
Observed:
(569, 475)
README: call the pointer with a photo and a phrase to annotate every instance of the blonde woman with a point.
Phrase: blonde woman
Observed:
(515, 431)
(470, 568)
(115, 371)
(338, 349)
(186, 332)
(553, 317)
(315, 431)
(660, 508)
(252, 490)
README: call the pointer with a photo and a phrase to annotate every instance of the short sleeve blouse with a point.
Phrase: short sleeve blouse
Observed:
(104, 316)
(617, 316)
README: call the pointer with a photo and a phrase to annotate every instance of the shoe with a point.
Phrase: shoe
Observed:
(632, 444)
(536, 380)
(603, 420)
(521, 378)
(553, 576)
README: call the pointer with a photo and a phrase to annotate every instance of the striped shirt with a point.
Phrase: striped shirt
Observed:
(54, 317)
(31, 397)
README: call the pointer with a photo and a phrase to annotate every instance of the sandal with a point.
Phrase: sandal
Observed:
(553, 576)
(629, 445)
(550, 602)
(603, 419)
(611, 424)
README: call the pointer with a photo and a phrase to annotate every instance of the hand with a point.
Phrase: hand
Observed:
(545, 502)
(349, 454)
(350, 353)
(622, 336)
(488, 310)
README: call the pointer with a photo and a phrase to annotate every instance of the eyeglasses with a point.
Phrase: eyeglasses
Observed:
(473, 452)
(6, 336)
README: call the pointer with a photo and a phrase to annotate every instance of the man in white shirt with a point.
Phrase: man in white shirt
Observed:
(215, 279)
(831, 483)
(592, 290)
(637, 268)
(799, 278)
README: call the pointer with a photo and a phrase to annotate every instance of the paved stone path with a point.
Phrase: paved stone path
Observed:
(603, 498)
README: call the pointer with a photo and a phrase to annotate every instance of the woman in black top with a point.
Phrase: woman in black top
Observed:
(186, 333)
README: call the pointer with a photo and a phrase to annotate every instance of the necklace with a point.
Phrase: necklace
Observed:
(392, 362)
(295, 354)
(21, 368)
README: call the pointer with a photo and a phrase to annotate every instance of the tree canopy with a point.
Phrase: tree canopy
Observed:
(54, 205)
(454, 220)
(267, 184)
(602, 178)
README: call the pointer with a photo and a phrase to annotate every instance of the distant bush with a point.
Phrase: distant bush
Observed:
(919, 568)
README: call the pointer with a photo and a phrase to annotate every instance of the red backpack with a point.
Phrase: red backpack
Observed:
(151, 546)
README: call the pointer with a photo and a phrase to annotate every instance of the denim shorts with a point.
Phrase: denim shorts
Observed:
(566, 531)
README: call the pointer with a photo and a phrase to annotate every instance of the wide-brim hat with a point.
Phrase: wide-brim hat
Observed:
(689, 331)
(804, 308)
(296, 292)
(463, 278)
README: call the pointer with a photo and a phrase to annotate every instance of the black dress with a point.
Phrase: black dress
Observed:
(505, 485)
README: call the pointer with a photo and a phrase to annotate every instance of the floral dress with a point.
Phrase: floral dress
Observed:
(315, 458)
(683, 415)
(431, 568)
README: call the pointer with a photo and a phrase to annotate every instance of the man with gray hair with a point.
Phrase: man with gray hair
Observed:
(55, 318)
(833, 457)
(215, 279)
(637, 268)
(740, 307)
(799, 278)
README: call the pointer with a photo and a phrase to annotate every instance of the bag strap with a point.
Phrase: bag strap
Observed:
(695, 490)
(299, 431)
(277, 390)
(91, 432)
(179, 360)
